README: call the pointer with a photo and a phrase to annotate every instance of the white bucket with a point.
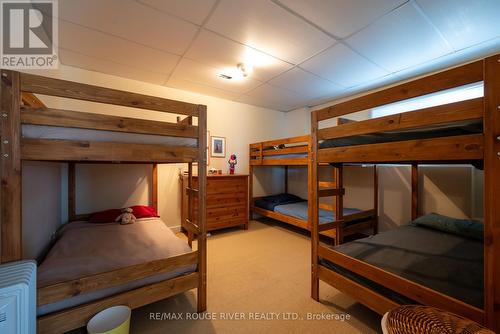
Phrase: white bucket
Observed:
(113, 320)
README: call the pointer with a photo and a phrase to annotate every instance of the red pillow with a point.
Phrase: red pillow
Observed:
(106, 216)
(144, 211)
(109, 216)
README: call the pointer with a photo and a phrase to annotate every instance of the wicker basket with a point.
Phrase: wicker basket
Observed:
(416, 319)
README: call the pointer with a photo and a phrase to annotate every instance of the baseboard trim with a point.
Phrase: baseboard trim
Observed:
(176, 228)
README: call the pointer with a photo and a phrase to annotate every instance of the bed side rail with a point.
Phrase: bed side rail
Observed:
(448, 113)
(408, 288)
(62, 290)
(280, 151)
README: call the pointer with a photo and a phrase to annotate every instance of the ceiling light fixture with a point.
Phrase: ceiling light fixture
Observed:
(241, 71)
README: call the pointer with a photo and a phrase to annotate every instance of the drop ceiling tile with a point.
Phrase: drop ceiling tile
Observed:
(339, 17)
(462, 56)
(276, 98)
(220, 52)
(99, 45)
(267, 27)
(401, 39)
(131, 20)
(464, 22)
(202, 89)
(343, 66)
(74, 59)
(306, 84)
(192, 10)
(196, 72)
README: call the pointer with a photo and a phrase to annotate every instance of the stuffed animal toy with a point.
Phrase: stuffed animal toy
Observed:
(232, 163)
(127, 217)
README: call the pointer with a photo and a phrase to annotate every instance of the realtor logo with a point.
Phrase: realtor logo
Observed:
(29, 30)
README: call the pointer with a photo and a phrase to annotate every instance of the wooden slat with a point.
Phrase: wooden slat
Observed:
(74, 90)
(187, 120)
(455, 148)
(288, 150)
(191, 191)
(331, 192)
(84, 120)
(289, 140)
(330, 225)
(284, 161)
(447, 113)
(367, 297)
(10, 165)
(30, 100)
(66, 320)
(451, 78)
(360, 215)
(327, 184)
(67, 150)
(492, 193)
(191, 226)
(281, 217)
(67, 289)
(402, 285)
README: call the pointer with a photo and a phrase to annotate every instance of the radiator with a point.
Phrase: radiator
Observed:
(18, 297)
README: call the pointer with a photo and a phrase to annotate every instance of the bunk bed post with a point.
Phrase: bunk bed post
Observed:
(250, 190)
(10, 195)
(339, 202)
(491, 192)
(414, 191)
(286, 179)
(375, 199)
(202, 189)
(154, 187)
(313, 204)
(71, 191)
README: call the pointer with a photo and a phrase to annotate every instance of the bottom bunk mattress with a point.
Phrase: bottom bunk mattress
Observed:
(300, 209)
(445, 262)
(294, 206)
(85, 249)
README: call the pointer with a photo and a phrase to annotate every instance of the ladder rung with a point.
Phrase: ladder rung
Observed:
(331, 225)
(331, 192)
(191, 191)
(327, 184)
(190, 226)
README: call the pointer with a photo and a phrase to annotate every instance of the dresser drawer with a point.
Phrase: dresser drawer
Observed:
(226, 201)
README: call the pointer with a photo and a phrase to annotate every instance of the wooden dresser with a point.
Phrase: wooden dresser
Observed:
(227, 201)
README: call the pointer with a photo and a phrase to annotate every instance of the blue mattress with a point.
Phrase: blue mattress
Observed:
(299, 210)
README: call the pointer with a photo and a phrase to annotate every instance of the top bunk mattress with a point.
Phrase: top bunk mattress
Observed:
(444, 262)
(64, 133)
(443, 130)
(85, 249)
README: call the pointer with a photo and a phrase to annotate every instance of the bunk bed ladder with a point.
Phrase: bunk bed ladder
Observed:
(335, 189)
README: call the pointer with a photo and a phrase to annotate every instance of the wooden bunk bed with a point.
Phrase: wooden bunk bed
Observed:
(20, 108)
(480, 148)
(294, 151)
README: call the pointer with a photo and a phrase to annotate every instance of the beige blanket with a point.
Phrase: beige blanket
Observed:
(85, 249)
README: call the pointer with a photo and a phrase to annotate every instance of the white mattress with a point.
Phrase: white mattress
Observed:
(56, 132)
(85, 249)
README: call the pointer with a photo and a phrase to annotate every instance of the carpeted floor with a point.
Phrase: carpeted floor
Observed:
(261, 273)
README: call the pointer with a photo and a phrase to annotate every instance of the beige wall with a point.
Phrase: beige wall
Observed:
(106, 186)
